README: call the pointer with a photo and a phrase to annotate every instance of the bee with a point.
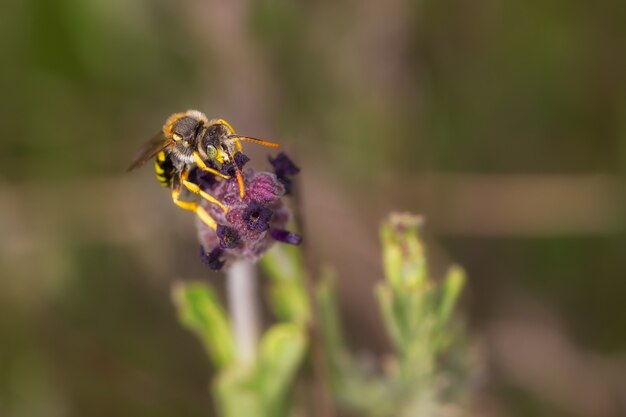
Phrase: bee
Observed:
(190, 140)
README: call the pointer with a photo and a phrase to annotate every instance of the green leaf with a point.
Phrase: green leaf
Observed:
(237, 393)
(403, 254)
(280, 355)
(287, 293)
(200, 311)
(392, 320)
(451, 289)
(392, 255)
(289, 301)
(330, 326)
(262, 390)
(283, 263)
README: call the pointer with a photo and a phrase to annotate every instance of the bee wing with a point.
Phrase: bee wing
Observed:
(149, 150)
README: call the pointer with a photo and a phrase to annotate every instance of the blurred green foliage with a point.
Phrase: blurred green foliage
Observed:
(263, 387)
(81, 75)
(429, 371)
(288, 299)
(373, 89)
(427, 375)
(200, 311)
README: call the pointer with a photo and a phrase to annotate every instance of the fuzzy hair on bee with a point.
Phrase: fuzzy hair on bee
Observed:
(190, 140)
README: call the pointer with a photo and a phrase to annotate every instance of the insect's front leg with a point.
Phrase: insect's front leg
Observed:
(206, 168)
(190, 205)
(194, 188)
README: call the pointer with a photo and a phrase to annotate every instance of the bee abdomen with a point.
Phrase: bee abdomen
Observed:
(164, 169)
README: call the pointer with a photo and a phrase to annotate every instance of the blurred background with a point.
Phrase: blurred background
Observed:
(503, 123)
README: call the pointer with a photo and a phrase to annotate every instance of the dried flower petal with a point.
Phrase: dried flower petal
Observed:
(205, 180)
(212, 259)
(286, 236)
(283, 166)
(229, 168)
(241, 159)
(284, 169)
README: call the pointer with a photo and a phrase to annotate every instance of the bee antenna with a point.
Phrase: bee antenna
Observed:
(254, 140)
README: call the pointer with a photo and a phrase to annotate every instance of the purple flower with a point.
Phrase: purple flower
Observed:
(229, 168)
(257, 217)
(250, 225)
(286, 236)
(283, 166)
(212, 259)
(284, 169)
(205, 180)
(229, 238)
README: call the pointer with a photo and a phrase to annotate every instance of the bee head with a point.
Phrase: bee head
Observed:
(185, 130)
(216, 143)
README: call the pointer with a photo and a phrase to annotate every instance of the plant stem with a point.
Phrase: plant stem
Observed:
(241, 282)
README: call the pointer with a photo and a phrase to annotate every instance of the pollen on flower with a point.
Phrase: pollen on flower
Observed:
(252, 224)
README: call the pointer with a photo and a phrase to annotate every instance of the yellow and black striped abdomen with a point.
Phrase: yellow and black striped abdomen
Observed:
(164, 169)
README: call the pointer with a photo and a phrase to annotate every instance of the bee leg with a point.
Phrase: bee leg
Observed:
(242, 190)
(191, 206)
(194, 188)
(240, 183)
(204, 166)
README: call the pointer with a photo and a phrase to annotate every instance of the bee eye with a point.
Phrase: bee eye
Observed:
(176, 137)
(211, 151)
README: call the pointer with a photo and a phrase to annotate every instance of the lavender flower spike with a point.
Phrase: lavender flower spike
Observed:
(250, 225)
